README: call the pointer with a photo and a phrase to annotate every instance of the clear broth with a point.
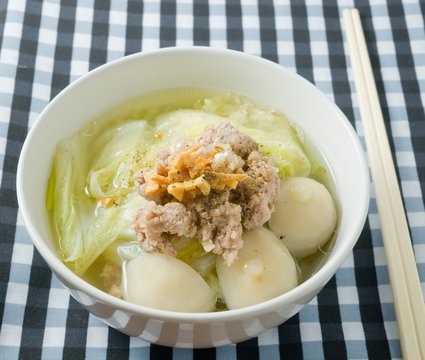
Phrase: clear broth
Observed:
(148, 107)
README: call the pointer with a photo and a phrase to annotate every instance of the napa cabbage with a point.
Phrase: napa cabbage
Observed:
(79, 183)
(64, 196)
(119, 153)
(104, 227)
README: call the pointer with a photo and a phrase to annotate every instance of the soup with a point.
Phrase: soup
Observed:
(252, 229)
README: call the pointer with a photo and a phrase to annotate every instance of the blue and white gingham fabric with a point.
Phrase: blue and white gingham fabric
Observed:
(45, 45)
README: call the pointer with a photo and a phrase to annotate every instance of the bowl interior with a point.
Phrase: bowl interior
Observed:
(221, 70)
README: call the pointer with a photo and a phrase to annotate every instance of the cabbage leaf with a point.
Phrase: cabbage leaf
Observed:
(120, 153)
(79, 182)
(64, 196)
(105, 227)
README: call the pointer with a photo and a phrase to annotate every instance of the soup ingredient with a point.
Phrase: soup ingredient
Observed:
(224, 134)
(222, 184)
(164, 282)
(305, 216)
(115, 158)
(90, 192)
(259, 192)
(191, 172)
(264, 269)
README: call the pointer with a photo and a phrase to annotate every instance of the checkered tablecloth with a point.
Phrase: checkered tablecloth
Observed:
(45, 45)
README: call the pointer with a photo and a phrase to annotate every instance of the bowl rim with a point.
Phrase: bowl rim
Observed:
(322, 276)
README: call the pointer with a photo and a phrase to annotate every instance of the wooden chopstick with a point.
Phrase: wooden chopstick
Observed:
(408, 297)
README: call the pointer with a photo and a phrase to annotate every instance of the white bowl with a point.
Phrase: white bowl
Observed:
(198, 67)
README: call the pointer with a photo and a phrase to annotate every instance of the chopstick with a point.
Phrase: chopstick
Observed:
(408, 297)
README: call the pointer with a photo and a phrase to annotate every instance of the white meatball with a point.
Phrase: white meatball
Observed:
(263, 270)
(305, 216)
(164, 282)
